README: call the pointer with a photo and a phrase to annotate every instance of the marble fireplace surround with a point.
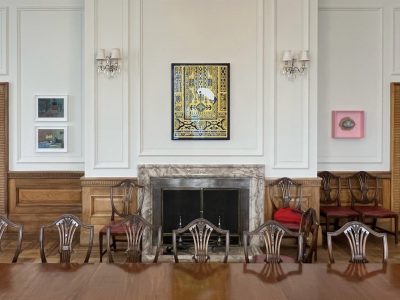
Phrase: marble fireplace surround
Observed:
(254, 173)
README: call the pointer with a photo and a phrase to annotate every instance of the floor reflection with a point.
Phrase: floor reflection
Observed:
(358, 271)
(272, 272)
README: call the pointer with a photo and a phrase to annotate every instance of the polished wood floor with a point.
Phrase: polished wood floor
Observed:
(30, 251)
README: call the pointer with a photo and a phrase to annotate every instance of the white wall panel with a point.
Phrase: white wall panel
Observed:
(291, 136)
(49, 62)
(184, 31)
(351, 77)
(3, 40)
(111, 116)
(396, 40)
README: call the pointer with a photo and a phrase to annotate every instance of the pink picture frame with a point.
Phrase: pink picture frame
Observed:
(347, 124)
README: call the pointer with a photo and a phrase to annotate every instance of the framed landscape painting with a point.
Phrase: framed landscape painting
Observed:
(51, 108)
(51, 139)
(200, 101)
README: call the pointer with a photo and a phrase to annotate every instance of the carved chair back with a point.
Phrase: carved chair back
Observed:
(365, 189)
(134, 227)
(285, 192)
(272, 233)
(357, 233)
(125, 191)
(330, 189)
(201, 230)
(66, 226)
(6, 223)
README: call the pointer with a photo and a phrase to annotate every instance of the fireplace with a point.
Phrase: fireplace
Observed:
(222, 201)
(167, 187)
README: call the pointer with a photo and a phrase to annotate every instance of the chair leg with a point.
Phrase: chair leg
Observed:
(374, 221)
(396, 229)
(327, 224)
(101, 246)
(114, 243)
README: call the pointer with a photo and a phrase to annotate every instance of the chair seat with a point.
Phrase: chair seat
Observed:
(114, 230)
(338, 211)
(260, 258)
(376, 212)
(287, 216)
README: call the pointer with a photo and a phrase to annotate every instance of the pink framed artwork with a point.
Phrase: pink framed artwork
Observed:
(347, 124)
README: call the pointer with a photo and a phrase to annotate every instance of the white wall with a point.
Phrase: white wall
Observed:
(41, 54)
(359, 55)
(127, 119)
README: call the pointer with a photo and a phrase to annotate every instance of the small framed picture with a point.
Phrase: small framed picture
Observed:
(51, 108)
(348, 124)
(51, 139)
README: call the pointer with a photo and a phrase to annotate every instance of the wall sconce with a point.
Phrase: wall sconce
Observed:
(294, 66)
(108, 64)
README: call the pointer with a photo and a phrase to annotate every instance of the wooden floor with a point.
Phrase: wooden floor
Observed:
(30, 251)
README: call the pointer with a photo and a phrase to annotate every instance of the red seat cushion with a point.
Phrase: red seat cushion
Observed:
(287, 215)
(376, 212)
(338, 211)
(114, 230)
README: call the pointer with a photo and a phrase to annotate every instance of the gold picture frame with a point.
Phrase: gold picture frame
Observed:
(200, 101)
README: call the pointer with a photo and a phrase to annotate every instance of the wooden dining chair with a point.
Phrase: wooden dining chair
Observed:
(357, 234)
(66, 226)
(366, 200)
(287, 208)
(271, 233)
(134, 227)
(4, 225)
(330, 205)
(201, 230)
(122, 198)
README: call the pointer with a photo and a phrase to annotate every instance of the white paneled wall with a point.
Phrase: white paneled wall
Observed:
(358, 58)
(128, 119)
(125, 121)
(44, 42)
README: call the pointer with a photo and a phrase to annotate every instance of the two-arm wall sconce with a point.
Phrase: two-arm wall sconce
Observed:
(293, 65)
(108, 64)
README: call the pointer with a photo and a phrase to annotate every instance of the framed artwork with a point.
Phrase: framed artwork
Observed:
(51, 108)
(348, 124)
(200, 101)
(51, 139)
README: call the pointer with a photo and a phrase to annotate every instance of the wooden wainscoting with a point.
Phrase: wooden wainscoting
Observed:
(37, 198)
(3, 146)
(395, 145)
(96, 204)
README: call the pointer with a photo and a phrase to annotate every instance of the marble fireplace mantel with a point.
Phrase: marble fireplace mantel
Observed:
(254, 173)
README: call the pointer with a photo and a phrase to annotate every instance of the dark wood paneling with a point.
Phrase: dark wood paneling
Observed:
(395, 145)
(37, 198)
(3, 146)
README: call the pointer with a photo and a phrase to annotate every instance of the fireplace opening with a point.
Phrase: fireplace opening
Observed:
(219, 206)
(222, 201)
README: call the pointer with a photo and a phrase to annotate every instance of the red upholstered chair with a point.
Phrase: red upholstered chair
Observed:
(330, 206)
(365, 199)
(122, 199)
(287, 200)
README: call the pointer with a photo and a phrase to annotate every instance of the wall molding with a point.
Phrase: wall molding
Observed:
(4, 40)
(259, 77)
(44, 175)
(396, 58)
(102, 181)
(378, 158)
(76, 159)
(305, 100)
